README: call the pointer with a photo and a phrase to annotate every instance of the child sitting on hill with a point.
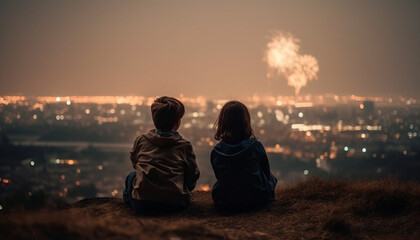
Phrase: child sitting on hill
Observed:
(239, 162)
(166, 170)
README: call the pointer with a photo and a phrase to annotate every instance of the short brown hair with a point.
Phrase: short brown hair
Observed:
(166, 112)
(234, 123)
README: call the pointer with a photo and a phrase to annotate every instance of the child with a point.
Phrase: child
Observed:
(166, 170)
(239, 162)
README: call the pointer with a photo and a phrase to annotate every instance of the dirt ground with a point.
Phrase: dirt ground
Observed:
(315, 209)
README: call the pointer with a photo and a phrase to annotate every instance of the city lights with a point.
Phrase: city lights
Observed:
(114, 193)
(204, 188)
(306, 130)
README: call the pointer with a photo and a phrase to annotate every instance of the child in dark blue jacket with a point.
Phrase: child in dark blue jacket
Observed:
(239, 162)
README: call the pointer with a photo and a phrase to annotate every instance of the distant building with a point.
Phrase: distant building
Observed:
(368, 107)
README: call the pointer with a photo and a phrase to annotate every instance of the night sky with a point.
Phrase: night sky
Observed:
(208, 48)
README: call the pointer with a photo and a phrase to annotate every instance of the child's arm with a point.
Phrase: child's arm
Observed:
(263, 159)
(134, 152)
(192, 173)
(265, 168)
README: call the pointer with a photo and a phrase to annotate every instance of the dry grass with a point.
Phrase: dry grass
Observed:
(315, 209)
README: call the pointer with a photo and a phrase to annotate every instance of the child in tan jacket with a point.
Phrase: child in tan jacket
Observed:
(165, 168)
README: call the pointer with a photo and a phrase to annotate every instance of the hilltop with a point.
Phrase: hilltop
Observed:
(314, 209)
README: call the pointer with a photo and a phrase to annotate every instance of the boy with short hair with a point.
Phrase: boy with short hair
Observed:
(166, 170)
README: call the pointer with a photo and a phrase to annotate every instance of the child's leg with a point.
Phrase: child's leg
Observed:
(129, 187)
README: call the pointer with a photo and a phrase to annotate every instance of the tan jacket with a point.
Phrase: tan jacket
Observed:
(166, 168)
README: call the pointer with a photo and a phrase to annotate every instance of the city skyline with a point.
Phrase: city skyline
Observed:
(206, 49)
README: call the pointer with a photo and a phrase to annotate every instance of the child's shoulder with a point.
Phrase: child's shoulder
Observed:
(259, 147)
(255, 145)
(138, 139)
(258, 143)
(183, 142)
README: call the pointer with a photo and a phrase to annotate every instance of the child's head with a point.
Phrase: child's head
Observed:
(234, 123)
(167, 113)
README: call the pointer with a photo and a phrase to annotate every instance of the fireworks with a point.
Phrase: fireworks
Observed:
(283, 59)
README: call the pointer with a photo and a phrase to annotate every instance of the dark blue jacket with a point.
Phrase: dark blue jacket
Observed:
(243, 175)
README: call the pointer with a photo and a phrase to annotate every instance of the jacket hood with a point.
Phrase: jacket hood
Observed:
(162, 138)
(231, 150)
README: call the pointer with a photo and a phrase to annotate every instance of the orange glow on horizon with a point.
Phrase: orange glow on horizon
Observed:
(204, 188)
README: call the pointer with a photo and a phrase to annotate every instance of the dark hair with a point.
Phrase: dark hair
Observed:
(166, 112)
(234, 123)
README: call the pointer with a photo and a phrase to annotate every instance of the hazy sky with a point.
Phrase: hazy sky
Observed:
(211, 48)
